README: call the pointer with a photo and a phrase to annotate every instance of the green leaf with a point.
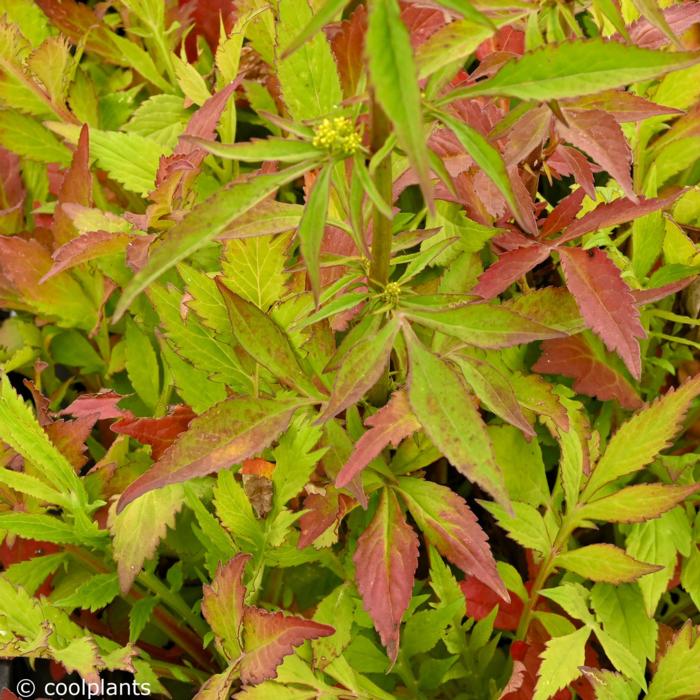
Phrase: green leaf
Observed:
(443, 407)
(609, 685)
(201, 225)
(161, 118)
(211, 356)
(526, 526)
(571, 443)
(561, 663)
(192, 383)
(690, 576)
(139, 60)
(265, 341)
(425, 628)
(236, 513)
(604, 562)
(21, 431)
(642, 437)
(39, 527)
(312, 227)
(622, 658)
(257, 150)
(489, 159)
(678, 672)
(213, 536)
(226, 434)
(494, 391)
(32, 573)
(659, 541)
(95, 593)
(574, 68)
(637, 503)
(573, 599)
(521, 464)
(191, 82)
(295, 459)
(142, 364)
(453, 42)
(138, 529)
(31, 486)
(139, 616)
(337, 608)
(322, 16)
(621, 611)
(394, 78)
(360, 370)
(26, 137)
(482, 325)
(309, 77)
(129, 159)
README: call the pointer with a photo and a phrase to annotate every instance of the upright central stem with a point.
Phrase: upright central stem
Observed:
(381, 225)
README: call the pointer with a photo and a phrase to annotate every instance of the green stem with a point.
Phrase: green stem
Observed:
(171, 626)
(173, 601)
(381, 227)
(565, 529)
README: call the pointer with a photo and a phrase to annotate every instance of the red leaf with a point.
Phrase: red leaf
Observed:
(422, 22)
(605, 302)
(385, 564)
(257, 467)
(223, 604)
(12, 193)
(347, 42)
(510, 267)
(563, 214)
(159, 433)
(102, 406)
(76, 189)
(598, 134)
(227, 433)
(390, 424)
(88, 246)
(679, 17)
(573, 357)
(481, 600)
(453, 529)
(256, 638)
(270, 636)
(70, 436)
(528, 133)
(622, 105)
(506, 39)
(322, 511)
(554, 306)
(81, 25)
(615, 213)
(188, 156)
(568, 161)
(207, 16)
(649, 296)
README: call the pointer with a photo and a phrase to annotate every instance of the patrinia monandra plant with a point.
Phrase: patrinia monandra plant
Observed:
(348, 348)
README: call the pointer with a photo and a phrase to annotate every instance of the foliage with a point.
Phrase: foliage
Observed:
(348, 349)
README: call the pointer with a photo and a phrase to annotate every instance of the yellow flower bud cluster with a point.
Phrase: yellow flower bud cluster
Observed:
(391, 293)
(337, 136)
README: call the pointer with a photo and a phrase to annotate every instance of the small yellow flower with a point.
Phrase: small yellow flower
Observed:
(337, 136)
(391, 293)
